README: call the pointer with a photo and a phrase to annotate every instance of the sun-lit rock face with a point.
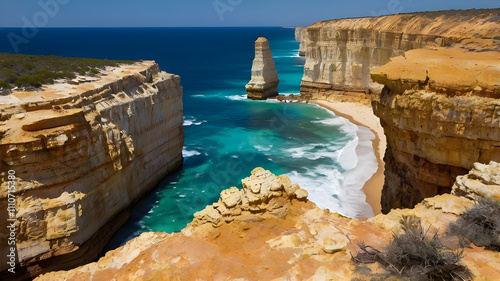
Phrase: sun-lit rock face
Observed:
(264, 81)
(81, 155)
(440, 113)
(340, 53)
(268, 231)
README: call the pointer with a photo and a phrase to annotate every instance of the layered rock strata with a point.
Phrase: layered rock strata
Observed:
(440, 111)
(340, 53)
(264, 81)
(269, 231)
(82, 154)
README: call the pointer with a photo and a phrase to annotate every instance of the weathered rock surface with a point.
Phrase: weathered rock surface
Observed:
(441, 114)
(340, 53)
(82, 155)
(300, 32)
(277, 237)
(264, 82)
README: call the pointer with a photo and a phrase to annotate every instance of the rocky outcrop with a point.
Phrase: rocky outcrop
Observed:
(82, 154)
(440, 110)
(340, 53)
(262, 192)
(264, 82)
(280, 236)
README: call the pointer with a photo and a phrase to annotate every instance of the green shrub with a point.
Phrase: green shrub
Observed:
(496, 37)
(8, 75)
(28, 80)
(480, 225)
(413, 256)
(4, 85)
(31, 70)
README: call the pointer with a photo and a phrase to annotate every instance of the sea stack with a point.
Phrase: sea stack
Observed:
(264, 82)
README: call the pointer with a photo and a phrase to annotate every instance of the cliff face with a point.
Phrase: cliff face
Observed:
(300, 32)
(82, 154)
(269, 231)
(440, 113)
(340, 53)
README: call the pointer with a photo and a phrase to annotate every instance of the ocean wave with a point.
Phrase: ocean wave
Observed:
(190, 120)
(312, 152)
(347, 157)
(263, 148)
(288, 56)
(237, 97)
(188, 153)
(338, 187)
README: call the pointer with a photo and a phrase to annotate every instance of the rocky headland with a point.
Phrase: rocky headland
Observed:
(340, 53)
(81, 155)
(264, 81)
(268, 230)
(441, 114)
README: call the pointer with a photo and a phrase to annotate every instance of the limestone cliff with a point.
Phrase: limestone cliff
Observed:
(269, 231)
(82, 154)
(340, 53)
(300, 32)
(440, 110)
(264, 81)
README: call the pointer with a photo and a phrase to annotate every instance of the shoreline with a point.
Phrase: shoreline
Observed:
(361, 115)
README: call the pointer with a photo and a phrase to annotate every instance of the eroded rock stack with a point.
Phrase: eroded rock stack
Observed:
(278, 237)
(340, 53)
(440, 113)
(82, 154)
(264, 82)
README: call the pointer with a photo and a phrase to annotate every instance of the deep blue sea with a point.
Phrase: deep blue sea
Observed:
(226, 135)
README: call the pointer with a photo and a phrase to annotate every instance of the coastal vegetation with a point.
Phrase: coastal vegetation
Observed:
(413, 256)
(479, 225)
(33, 71)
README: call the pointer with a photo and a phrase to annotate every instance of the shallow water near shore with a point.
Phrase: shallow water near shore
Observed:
(226, 135)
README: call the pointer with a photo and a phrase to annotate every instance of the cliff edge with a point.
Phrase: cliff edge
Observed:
(340, 53)
(78, 156)
(268, 230)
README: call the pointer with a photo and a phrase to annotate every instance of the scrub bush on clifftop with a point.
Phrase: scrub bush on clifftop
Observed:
(480, 225)
(413, 256)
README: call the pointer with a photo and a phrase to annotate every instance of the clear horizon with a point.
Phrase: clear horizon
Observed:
(207, 13)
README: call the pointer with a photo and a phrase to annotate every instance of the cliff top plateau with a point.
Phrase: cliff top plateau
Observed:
(483, 23)
(450, 70)
(268, 230)
(32, 71)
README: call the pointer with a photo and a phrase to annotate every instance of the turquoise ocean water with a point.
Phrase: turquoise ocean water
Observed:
(226, 135)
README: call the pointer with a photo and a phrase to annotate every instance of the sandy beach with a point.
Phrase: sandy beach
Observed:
(363, 116)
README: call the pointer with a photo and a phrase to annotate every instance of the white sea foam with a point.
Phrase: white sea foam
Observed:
(237, 97)
(339, 189)
(263, 148)
(190, 120)
(188, 153)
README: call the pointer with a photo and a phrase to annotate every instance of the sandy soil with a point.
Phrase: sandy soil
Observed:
(363, 116)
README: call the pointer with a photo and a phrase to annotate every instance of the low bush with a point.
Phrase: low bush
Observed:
(4, 85)
(28, 80)
(479, 225)
(413, 256)
(31, 70)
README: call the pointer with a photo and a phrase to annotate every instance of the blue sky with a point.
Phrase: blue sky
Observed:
(152, 13)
